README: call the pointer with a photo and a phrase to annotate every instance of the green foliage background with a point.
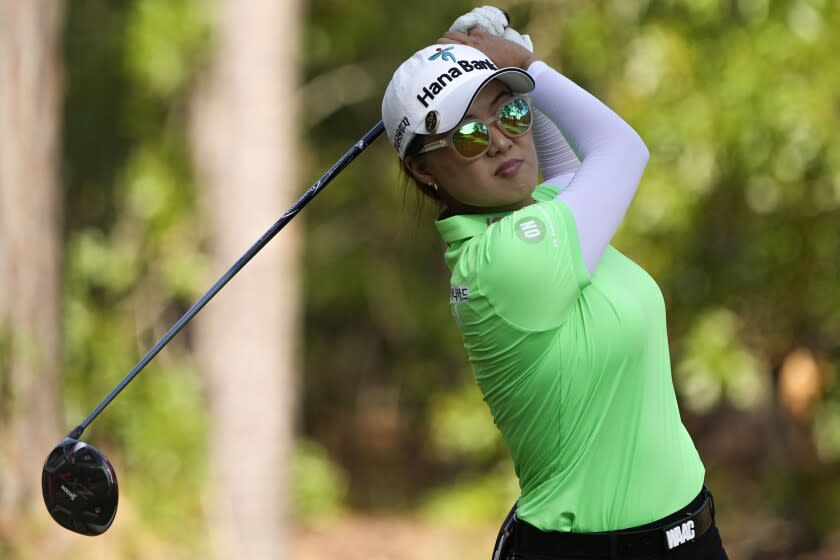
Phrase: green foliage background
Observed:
(738, 219)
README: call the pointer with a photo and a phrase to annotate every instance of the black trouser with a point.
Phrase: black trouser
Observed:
(653, 541)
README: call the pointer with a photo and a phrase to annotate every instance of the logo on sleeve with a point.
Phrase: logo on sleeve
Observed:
(530, 229)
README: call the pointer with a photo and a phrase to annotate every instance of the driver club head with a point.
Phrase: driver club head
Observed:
(80, 487)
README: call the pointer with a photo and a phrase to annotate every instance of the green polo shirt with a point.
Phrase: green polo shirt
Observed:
(575, 369)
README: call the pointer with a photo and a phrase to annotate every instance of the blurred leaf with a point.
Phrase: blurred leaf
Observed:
(715, 363)
(827, 431)
(480, 499)
(461, 426)
(164, 39)
(318, 484)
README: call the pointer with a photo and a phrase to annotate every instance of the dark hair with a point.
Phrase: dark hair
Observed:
(420, 189)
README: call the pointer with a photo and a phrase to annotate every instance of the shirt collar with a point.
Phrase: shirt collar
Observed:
(464, 226)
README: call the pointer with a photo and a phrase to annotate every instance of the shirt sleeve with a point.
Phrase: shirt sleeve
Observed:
(531, 270)
(612, 154)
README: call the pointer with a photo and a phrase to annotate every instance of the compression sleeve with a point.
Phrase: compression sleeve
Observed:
(612, 155)
(555, 156)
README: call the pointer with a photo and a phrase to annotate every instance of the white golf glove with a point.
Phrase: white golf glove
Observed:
(554, 154)
(494, 21)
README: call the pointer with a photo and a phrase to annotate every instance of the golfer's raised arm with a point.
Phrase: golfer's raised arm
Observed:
(612, 154)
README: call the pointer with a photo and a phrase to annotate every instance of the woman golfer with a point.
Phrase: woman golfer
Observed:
(566, 335)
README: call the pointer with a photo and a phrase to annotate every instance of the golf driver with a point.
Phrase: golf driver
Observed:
(78, 482)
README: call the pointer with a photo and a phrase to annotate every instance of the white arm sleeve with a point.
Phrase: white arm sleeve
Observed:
(554, 154)
(612, 155)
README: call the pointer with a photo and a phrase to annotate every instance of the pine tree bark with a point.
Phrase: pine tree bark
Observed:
(29, 247)
(246, 152)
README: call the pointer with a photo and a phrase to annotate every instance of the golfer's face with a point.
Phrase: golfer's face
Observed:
(502, 178)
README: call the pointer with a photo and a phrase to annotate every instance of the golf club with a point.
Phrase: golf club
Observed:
(78, 482)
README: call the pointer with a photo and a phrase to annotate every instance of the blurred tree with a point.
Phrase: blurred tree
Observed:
(246, 120)
(30, 83)
(133, 260)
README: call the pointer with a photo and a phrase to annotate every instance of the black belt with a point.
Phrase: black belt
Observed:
(674, 531)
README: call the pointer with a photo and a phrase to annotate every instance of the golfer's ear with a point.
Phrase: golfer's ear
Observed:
(418, 170)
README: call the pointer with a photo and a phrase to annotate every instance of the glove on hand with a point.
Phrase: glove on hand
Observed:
(555, 156)
(494, 21)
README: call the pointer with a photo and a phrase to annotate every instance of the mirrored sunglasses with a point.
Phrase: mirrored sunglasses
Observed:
(472, 138)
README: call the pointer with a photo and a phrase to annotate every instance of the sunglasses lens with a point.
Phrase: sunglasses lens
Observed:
(515, 117)
(471, 139)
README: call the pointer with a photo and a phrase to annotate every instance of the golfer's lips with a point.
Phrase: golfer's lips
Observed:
(508, 168)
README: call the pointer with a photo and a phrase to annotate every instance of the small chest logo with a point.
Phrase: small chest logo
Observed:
(459, 294)
(680, 534)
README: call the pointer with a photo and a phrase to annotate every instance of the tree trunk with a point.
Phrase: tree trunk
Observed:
(29, 248)
(244, 134)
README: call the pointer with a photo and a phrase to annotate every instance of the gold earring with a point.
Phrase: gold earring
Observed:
(434, 186)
